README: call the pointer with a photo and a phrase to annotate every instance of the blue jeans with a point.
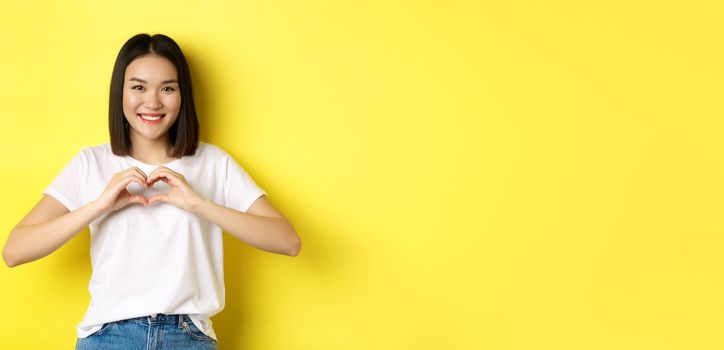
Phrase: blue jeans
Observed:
(146, 333)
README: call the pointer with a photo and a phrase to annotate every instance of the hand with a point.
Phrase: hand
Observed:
(181, 193)
(115, 196)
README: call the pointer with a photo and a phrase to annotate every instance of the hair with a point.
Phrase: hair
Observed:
(184, 133)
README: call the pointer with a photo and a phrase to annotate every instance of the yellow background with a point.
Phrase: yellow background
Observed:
(463, 174)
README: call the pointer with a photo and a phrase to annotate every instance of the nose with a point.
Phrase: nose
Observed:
(152, 101)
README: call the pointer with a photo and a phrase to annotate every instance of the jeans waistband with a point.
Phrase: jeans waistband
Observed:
(177, 319)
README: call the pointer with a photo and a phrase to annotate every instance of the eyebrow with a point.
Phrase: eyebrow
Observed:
(163, 82)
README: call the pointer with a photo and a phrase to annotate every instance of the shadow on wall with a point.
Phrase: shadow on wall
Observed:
(232, 323)
(321, 265)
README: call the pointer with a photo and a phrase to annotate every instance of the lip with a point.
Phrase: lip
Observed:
(151, 115)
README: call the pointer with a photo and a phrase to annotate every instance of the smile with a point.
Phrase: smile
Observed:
(151, 118)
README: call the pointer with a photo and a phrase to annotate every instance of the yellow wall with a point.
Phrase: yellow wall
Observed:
(463, 174)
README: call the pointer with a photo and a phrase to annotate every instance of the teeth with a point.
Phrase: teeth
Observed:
(149, 117)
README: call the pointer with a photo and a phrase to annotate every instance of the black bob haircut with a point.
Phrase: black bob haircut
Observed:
(183, 135)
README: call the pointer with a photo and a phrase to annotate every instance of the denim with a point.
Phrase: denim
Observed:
(148, 333)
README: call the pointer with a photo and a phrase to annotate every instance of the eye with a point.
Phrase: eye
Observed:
(168, 89)
(137, 87)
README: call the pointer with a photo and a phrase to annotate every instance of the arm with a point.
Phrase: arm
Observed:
(50, 224)
(46, 228)
(262, 225)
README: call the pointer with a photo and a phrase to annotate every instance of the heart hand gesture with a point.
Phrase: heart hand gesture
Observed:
(181, 193)
(116, 196)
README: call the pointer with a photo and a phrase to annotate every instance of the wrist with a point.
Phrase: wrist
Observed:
(199, 206)
(97, 209)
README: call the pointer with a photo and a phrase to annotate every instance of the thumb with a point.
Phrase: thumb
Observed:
(158, 198)
(138, 199)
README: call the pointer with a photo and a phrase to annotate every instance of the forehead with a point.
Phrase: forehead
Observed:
(151, 68)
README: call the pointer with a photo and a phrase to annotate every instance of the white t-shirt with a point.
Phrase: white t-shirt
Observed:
(159, 259)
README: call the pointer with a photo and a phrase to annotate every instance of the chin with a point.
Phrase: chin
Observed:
(151, 135)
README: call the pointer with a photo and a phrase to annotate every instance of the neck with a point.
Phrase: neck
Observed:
(150, 151)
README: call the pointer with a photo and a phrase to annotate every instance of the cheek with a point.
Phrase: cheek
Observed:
(130, 102)
(173, 102)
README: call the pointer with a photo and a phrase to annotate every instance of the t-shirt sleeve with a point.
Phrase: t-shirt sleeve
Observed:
(240, 190)
(66, 187)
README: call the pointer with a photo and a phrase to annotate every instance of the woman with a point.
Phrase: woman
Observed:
(156, 200)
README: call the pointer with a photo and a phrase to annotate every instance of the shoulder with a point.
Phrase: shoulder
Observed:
(217, 156)
(97, 152)
(100, 149)
(210, 150)
(89, 152)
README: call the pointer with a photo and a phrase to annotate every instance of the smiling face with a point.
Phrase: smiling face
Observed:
(151, 97)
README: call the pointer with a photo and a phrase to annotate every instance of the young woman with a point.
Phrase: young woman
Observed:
(156, 201)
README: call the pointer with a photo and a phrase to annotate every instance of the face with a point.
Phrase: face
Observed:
(151, 97)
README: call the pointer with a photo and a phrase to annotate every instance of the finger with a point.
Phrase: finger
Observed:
(138, 199)
(162, 179)
(152, 181)
(171, 179)
(125, 198)
(158, 198)
(138, 171)
(132, 170)
(158, 170)
(134, 177)
(120, 184)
